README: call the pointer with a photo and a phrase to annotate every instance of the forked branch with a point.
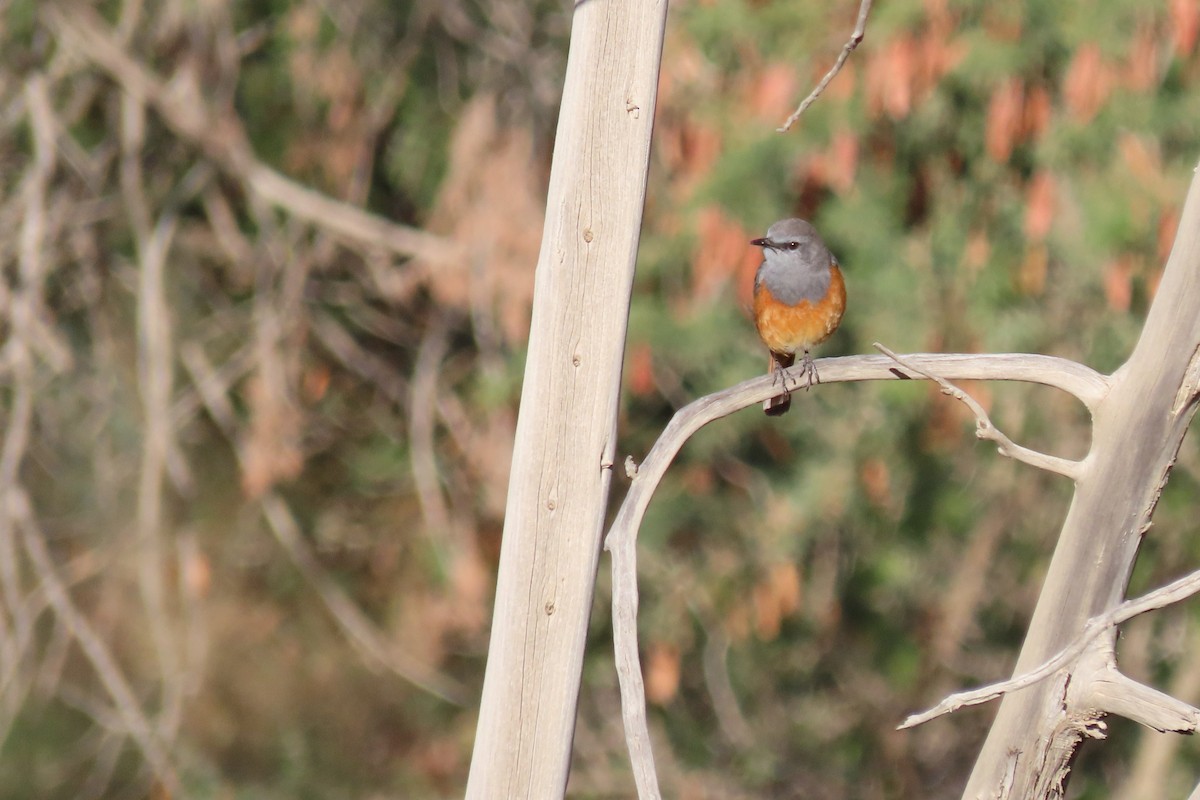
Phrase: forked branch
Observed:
(1084, 383)
(984, 429)
(1173, 592)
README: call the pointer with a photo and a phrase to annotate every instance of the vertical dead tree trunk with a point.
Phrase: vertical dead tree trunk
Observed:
(562, 461)
(1138, 429)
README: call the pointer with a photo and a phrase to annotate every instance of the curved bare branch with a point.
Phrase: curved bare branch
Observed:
(1084, 383)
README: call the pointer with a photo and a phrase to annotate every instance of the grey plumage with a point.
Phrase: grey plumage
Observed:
(795, 262)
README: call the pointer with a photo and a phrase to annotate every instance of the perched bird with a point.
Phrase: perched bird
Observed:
(799, 299)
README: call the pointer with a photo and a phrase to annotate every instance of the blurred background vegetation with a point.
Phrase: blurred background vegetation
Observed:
(255, 442)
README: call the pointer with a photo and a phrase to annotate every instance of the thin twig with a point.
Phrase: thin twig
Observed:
(91, 644)
(152, 240)
(22, 308)
(860, 30)
(1173, 592)
(210, 385)
(720, 688)
(379, 372)
(422, 415)
(360, 630)
(984, 429)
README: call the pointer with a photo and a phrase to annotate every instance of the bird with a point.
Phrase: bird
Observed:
(799, 300)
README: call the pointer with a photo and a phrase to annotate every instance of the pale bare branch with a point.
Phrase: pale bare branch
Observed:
(1083, 382)
(91, 644)
(1113, 692)
(359, 629)
(1155, 757)
(856, 37)
(1173, 592)
(377, 371)
(986, 430)
(421, 418)
(155, 357)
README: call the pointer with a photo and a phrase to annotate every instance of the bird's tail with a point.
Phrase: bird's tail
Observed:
(779, 404)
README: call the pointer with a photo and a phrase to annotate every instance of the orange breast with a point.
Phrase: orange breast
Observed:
(787, 329)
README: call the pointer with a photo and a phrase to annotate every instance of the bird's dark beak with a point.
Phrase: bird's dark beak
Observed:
(761, 242)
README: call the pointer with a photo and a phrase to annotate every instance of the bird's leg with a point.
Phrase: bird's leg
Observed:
(778, 365)
(778, 375)
(808, 369)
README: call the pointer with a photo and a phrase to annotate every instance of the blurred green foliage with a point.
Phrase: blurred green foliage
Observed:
(992, 177)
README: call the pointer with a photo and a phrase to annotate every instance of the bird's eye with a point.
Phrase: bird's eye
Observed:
(793, 245)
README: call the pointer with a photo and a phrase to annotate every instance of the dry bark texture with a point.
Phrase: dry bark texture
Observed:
(562, 460)
(1139, 426)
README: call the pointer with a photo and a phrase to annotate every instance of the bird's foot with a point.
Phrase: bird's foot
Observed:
(808, 371)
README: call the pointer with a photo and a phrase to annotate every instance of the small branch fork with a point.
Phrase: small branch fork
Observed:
(1154, 709)
(1087, 385)
(860, 30)
(984, 429)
